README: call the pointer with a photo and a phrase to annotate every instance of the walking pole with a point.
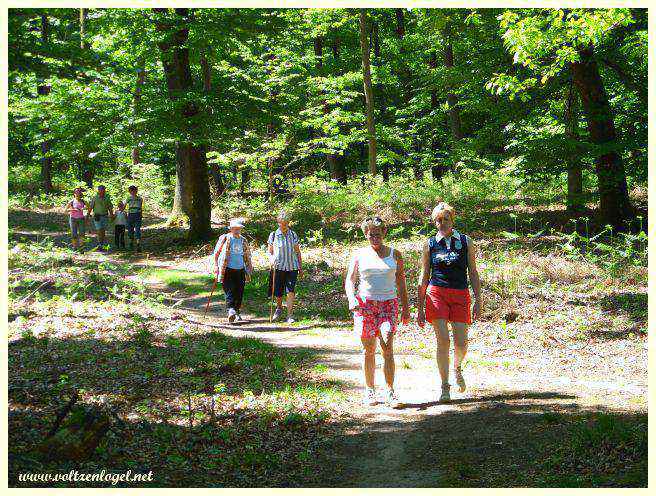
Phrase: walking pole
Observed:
(273, 289)
(216, 280)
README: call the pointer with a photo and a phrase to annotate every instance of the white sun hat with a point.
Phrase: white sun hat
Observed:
(239, 222)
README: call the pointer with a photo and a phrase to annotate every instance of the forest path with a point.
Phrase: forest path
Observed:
(385, 447)
(507, 413)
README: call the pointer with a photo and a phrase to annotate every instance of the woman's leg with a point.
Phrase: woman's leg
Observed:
(74, 231)
(369, 360)
(290, 304)
(460, 342)
(290, 287)
(228, 289)
(442, 336)
(388, 356)
(137, 228)
(240, 282)
(130, 227)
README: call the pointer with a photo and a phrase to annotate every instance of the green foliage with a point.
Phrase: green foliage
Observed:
(613, 253)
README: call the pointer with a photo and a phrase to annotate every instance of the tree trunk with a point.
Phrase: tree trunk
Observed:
(192, 188)
(141, 77)
(192, 193)
(43, 89)
(400, 24)
(575, 201)
(216, 178)
(83, 21)
(451, 98)
(270, 161)
(616, 208)
(77, 438)
(379, 88)
(437, 169)
(368, 93)
(335, 161)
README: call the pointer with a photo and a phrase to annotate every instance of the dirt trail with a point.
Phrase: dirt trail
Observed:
(499, 416)
(386, 447)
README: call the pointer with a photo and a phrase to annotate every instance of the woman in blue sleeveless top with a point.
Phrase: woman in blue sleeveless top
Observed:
(448, 258)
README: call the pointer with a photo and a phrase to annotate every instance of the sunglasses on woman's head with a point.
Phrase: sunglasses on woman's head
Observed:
(376, 220)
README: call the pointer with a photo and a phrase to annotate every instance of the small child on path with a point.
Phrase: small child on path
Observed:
(120, 221)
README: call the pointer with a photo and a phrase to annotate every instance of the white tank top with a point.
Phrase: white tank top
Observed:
(377, 275)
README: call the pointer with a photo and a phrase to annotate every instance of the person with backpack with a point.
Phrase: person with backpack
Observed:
(232, 260)
(443, 294)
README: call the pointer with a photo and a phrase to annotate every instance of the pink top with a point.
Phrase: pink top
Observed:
(78, 209)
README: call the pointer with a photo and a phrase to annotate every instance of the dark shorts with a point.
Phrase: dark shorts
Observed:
(285, 282)
(77, 226)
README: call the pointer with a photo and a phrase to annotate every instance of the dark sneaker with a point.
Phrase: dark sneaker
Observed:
(277, 315)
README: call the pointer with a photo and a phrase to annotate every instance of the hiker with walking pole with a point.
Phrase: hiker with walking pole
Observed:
(286, 266)
(378, 271)
(232, 260)
(448, 256)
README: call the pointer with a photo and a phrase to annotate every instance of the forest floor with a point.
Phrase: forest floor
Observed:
(556, 370)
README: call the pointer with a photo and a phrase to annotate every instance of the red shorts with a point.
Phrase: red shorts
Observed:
(449, 304)
(371, 314)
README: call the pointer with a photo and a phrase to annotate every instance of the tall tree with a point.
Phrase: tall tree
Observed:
(564, 40)
(192, 193)
(138, 90)
(575, 201)
(614, 201)
(368, 92)
(451, 98)
(43, 89)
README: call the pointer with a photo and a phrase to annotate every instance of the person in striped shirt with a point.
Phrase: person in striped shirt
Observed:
(286, 262)
(134, 206)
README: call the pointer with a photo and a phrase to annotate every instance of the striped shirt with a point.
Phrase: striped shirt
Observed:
(283, 249)
(134, 205)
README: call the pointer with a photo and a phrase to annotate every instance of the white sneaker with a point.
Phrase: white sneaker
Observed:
(446, 393)
(277, 315)
(369, 398)
(290, 320)
(232, 315)
(391, 399)
(460, 380)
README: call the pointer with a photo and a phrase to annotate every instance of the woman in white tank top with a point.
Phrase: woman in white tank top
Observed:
(378, 271)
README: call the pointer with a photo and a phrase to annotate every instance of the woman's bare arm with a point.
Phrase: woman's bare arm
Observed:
(423, 278)
(351, 282)
(474, 277)
(401, 284)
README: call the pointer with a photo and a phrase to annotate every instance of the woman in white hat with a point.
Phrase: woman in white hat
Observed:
(232, 258)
